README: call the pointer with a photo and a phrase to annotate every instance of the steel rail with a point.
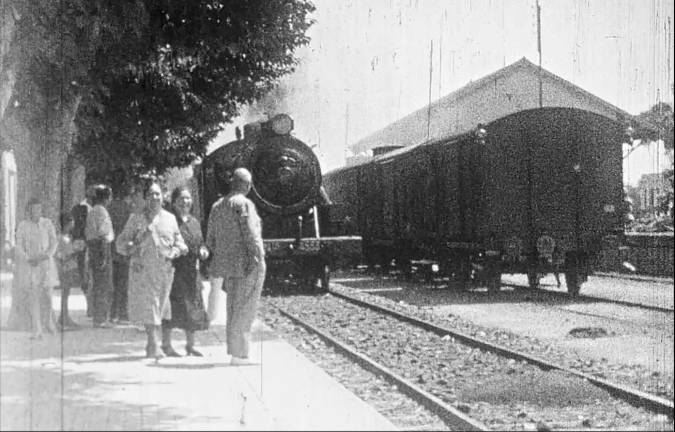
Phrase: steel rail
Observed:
(592, 299)
(632, 396)
(454, 418)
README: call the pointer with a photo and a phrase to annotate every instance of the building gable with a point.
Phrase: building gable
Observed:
(509, 90)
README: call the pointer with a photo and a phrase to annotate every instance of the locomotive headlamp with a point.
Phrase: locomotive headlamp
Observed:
(480, 133)
(281, 124)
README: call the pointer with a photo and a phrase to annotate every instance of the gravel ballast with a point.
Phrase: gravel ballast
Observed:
(633, 376)
(502, 393)
(398, 408)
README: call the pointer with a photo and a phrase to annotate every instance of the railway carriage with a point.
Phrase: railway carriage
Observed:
(512, 196)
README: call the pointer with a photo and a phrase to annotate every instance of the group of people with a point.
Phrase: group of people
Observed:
(140, 262)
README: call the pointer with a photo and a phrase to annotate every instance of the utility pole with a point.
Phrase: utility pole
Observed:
(541, 92)
(431, 70)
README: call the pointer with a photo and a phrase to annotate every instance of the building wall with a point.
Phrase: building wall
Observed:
(651, 188)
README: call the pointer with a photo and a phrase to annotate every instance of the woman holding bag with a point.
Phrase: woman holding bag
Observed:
(152, 240)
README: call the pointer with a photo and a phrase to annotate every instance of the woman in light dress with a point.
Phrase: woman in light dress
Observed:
(151, 238)
(35, 273)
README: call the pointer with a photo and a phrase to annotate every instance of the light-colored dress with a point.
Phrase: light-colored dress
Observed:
(32, 240)
(150, 268)
(33, 282)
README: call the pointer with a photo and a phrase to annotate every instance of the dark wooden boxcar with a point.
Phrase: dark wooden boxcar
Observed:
(538, 193)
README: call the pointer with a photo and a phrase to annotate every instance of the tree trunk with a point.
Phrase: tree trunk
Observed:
(60, 128)
(8, 18)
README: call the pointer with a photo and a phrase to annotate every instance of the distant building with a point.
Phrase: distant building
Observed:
(507, 91)
(650, 189)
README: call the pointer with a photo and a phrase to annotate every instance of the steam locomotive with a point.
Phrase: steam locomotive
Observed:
(533, 192)
(288, 193)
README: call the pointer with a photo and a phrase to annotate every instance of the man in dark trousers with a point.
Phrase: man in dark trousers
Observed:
(234, 238)
(120, 210)
(79, 213)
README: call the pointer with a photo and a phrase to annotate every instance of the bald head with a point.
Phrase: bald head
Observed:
(241, 180)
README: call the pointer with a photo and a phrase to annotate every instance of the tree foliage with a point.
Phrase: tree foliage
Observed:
(195, 63)
(661, 115)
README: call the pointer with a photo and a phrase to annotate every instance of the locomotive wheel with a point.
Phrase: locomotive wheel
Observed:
(573, 282)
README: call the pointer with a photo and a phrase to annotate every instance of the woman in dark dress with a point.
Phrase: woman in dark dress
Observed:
(187, 306)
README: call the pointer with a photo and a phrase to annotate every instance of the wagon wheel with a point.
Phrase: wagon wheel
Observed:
(494, 282)
(406, 267)
(463, 276)
(325, 278)
(573, 281)
(533, 279)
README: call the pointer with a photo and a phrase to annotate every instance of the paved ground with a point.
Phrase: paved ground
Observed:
(95, 379)
(648, 291)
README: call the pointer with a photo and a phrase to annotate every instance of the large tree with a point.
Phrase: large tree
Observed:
(141, 84)
(205, 60)
(56, 49)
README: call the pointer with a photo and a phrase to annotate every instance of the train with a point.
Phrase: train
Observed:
(534, 192)
(297, 222)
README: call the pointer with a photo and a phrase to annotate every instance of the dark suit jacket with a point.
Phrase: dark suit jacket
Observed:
(79, 213)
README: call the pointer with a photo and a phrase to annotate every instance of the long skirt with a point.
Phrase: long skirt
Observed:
(187, 305)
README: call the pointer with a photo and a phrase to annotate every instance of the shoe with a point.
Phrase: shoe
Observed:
(242, 361)
(170, 352)
(151, 352)
(193, 352)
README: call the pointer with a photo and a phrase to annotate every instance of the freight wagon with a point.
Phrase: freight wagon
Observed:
(532, 192)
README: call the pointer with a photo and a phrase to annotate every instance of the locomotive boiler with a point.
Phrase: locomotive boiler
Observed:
(534, 192)
(287, 191)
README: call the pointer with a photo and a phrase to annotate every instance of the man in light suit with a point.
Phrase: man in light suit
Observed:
(234, 238)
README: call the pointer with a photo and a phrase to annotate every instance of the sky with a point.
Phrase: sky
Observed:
(368, 62)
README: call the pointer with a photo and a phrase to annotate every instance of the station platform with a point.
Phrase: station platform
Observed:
(98, 379)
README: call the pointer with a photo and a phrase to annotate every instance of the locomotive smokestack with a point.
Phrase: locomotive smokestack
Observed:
(237, 133)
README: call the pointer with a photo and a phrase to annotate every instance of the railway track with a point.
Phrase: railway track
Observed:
(455, 418)
(651, 402)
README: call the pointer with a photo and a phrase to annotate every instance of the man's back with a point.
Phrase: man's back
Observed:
(234, 233)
